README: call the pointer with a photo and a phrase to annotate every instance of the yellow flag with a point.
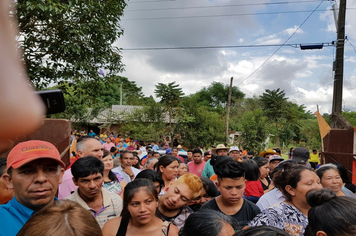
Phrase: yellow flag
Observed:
(74, 146)
(323, 126)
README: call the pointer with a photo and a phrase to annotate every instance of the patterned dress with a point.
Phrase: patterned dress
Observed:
(285, 217)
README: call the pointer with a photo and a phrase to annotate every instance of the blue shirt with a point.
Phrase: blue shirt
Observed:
(13, 216)
(155, 148)
(91, 134)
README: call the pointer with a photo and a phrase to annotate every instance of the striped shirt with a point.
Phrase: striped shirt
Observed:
(112, 206)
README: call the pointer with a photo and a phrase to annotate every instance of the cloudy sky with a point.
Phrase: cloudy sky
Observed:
(306, 75)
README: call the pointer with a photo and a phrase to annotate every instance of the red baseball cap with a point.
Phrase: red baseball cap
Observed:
(28, 151)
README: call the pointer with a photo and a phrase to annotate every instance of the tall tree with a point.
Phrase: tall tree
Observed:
(197, 125)
(62, 39)
(216, 95)
(274, 107)
(170, 95)
(254, 129)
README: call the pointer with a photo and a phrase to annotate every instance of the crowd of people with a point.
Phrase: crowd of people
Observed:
(111, 189)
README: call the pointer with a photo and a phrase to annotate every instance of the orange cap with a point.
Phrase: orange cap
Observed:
(28, 151)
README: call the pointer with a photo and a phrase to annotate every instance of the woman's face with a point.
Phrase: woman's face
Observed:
(203, 198)
(142, 207)
(108, 162)
(264, 170)
(308, 181)
(135, 160)
(171, 171)
(331, 179)
(182, 169)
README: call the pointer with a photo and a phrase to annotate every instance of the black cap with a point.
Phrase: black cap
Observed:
(301, 155)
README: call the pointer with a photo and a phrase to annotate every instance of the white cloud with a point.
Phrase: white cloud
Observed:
(293, 30)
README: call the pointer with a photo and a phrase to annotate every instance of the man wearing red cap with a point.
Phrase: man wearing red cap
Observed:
(34, 171)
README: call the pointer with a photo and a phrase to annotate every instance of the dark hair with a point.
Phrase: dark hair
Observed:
(251, 153)
(291, 175)
(323, 168)
(113, 149)
(261, 161)
(331, 214)
(153, 153)
(262, 230)
(206, 222)
(165, 161)
(125, 152)
(105, 153)
(138, 165)
(283, 165)
(2, 166)
(343, 173)
(132, 188)
(190, 150)
(196, 150)
(252, 172)
(111, 174)
(229, 168)
(209, 187)
(151, 175)
(86, 166)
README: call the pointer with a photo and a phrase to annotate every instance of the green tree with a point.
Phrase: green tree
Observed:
(197, 125)
(254, 129)
(85, 100)
(274, 107)
(170, 95)
(146, 123)
(216, 95)
(62, 40)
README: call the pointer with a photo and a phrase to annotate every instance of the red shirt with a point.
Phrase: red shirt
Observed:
(196, 169)
(253, 188)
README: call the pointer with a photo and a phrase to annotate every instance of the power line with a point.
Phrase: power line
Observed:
(351, 44)
(295, 45)
(225, 15)
(282, 44)
(220, 6)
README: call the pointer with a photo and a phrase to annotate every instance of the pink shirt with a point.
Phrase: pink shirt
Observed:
(108, 146)
(67, 187)
(196, 169)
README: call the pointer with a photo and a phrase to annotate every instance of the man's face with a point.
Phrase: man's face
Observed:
(231, 190)
(190, 156)
(36, 183)
(108, 140)
(156, 155)
(267, 156)
(92, 147)
(174, 152)
(177, 196)
(235, 154)
(273, 164)
(127, 160)
(197, 158)
(90, 186)
(221, 152)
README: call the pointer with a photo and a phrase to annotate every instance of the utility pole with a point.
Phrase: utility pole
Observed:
(228, 112)
(339, 64)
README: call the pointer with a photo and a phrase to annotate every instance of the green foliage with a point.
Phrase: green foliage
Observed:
(170, 95)
(216, 95)
(145, 124)
(197, 125)
(64, 39)
(85, 100)
(350, 116)
(310, 133)
(254, 130)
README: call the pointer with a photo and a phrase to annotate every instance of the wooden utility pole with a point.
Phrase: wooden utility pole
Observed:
(339, 64)
(228, 112)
